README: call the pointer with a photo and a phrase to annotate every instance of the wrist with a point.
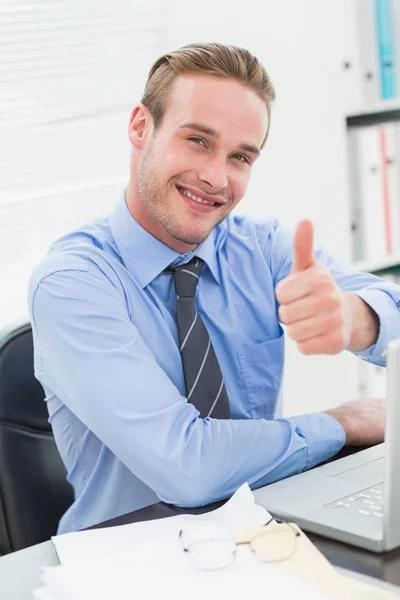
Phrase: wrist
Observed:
(344, 421)
(364, 323)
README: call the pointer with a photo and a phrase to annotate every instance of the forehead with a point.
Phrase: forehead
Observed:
(233, 110)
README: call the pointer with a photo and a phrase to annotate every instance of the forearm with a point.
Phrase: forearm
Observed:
(258, 452)
(365, 323)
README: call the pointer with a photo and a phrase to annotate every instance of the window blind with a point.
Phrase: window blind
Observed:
(70, 73)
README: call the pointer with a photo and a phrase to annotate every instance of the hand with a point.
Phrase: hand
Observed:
(318, 314)
(362, 420)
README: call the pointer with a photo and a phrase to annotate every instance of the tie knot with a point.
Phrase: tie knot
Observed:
(186, 277)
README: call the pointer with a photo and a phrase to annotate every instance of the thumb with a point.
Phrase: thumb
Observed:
(303, 255)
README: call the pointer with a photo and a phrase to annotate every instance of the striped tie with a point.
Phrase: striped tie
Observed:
(205, 387)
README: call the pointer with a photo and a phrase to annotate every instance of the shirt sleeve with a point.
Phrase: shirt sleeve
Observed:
(381, 295)
(91, 356)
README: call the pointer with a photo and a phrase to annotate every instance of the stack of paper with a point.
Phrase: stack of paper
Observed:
(240, 512)
(147, 560)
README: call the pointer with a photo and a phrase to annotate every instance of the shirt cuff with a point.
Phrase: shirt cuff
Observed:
(384, 306)
(324, 436)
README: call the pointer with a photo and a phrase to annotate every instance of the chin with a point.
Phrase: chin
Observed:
(190, 237)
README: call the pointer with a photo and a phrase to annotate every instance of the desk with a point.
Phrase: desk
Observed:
(19, 571)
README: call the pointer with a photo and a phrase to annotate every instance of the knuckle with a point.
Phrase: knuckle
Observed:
(281, 291)
(336, 339)
(289, 316)
(332, 301)
(282, 311)
(325, 278)
(335, 320)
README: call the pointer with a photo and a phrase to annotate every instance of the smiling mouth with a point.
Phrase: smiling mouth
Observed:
(186, 192)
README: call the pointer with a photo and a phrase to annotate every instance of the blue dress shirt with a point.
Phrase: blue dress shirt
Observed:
(107, 355)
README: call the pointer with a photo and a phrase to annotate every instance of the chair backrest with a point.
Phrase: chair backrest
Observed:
(34, 492)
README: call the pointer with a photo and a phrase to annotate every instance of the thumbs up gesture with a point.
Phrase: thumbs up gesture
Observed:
(318, 314)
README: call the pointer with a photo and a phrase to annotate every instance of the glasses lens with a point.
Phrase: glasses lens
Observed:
(273, 546)
(212, 554)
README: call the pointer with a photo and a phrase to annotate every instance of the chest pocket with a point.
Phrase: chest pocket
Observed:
(262, 369)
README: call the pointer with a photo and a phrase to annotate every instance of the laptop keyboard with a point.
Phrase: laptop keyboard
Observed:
(368, 503)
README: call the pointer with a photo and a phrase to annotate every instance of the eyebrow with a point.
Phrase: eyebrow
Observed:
(213, 133)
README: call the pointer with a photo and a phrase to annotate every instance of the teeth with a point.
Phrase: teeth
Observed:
(195, 198)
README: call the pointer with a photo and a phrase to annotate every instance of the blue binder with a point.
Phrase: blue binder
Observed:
(386, 48)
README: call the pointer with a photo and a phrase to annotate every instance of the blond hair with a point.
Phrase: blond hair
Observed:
(219, 60)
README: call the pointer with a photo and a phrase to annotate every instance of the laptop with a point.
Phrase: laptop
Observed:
(355, 499)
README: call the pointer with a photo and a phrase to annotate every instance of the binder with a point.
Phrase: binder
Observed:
(374, 242)
(376, 191)
(368, 50)
(390, 159)
(396, 38)
(355, 206)
(383, 10)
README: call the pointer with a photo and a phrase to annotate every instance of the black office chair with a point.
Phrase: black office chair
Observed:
(34, 492)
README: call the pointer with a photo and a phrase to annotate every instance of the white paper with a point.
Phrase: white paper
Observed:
(160, 569)
(146, 560)
(239, 512)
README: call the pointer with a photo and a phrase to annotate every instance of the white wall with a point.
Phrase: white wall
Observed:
(69, 76)
(302, 44)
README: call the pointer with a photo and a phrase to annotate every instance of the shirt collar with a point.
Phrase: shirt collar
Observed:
(144, 256)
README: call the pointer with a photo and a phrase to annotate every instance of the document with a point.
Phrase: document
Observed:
(239, 512)
(160, 569)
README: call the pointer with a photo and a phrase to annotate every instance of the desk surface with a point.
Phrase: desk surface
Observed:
(19, 571)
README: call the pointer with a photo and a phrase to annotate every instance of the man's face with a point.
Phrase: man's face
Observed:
(196, 166)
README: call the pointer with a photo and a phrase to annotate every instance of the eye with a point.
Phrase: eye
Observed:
(241, 158)
(197, 140)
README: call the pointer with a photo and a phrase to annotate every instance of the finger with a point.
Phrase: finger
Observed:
(307, 329)
(301, 309)
(303, 255)
(294, 287)
(322, 344)
(308, 305)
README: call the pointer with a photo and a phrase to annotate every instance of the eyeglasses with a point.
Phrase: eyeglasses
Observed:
(273, 544)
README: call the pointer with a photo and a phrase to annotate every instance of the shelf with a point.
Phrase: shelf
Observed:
(378, 266)
(381, 112)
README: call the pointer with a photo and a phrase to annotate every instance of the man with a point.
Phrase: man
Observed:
(157, 330)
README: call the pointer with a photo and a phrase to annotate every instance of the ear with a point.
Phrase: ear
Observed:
(140, 126)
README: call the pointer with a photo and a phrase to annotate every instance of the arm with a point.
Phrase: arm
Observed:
(95, 361)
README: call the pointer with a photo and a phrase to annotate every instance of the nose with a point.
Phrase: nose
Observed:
(214, 173)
